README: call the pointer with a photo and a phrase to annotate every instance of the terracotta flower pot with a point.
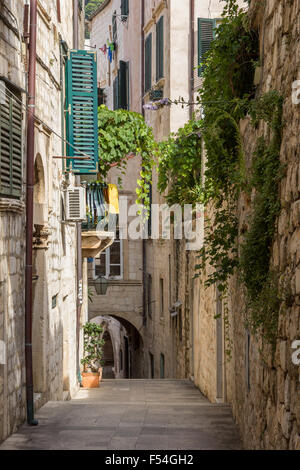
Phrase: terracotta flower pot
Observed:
(90, 379)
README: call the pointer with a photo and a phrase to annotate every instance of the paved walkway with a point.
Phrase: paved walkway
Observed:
(131, 414)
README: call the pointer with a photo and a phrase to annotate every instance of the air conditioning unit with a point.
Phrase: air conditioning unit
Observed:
(75, 204)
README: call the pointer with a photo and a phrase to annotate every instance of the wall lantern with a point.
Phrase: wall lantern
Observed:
(101, 285)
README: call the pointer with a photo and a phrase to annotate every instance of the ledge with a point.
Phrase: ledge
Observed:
(11, 205)
(94, 242)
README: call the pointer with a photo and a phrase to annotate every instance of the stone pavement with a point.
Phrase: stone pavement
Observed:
(131, 415)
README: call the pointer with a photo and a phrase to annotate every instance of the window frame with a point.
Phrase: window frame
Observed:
(108, 263)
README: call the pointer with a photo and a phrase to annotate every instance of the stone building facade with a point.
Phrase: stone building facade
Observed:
(164, 339)
(262, 388)
(124, 298)
(54, 282)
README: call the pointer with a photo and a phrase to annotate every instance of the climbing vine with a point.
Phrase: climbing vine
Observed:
(121, 134)
(227, 95)
(262, 283)
(180, 163)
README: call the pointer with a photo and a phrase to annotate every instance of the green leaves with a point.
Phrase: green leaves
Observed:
(180, 164)
(122, 133)
(93, 347)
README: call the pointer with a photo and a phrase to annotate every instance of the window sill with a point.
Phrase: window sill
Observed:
(11, 205)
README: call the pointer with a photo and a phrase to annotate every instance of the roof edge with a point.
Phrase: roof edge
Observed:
(99, 9)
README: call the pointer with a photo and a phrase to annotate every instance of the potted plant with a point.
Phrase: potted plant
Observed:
(93, 353)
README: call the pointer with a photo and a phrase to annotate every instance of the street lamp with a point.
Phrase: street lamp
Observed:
(101, 285)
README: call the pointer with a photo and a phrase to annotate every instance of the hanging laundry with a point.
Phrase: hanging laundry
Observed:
(110, 49)
(113, 198)
(104, 49)
(109, 55)
(97, 207)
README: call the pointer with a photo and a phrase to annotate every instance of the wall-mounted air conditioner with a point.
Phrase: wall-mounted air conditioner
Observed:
(75, 204)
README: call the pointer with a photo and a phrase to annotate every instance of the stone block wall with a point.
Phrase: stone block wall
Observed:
(54, 286)
(267, 408)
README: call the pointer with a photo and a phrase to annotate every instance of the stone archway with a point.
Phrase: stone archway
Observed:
(127, 343)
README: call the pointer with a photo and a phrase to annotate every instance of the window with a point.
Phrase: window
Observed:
(101, 96)
(160, 49)
(10, 141)
(114, 27)
(110, 263)
(148, 62)
(206, 32)
(161, 297)
(124, 9)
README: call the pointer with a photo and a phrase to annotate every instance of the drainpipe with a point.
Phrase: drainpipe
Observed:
(75, 24)
(143, 112)
(78, 225)
(192, 55)
(29, 213)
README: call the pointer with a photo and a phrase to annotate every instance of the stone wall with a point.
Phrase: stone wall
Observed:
(12, 255)
(262, 387)
(54, 259)
(268, 410)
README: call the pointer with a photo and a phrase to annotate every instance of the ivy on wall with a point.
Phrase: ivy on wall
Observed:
(228, 95)
(179, 160)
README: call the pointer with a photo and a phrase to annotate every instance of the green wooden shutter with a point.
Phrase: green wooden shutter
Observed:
(148, 62)
(10, 146)
(116, 93)
(124, 7)
(206, 31)
(123, 87)
(82, 111)
(114, 26)
(160, 48)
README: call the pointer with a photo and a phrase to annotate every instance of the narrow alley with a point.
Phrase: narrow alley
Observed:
(149, 225)
(128, 415)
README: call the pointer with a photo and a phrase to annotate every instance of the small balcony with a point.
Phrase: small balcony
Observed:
(102, 208)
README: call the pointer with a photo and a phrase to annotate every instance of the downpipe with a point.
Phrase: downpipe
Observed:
(29, 212)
